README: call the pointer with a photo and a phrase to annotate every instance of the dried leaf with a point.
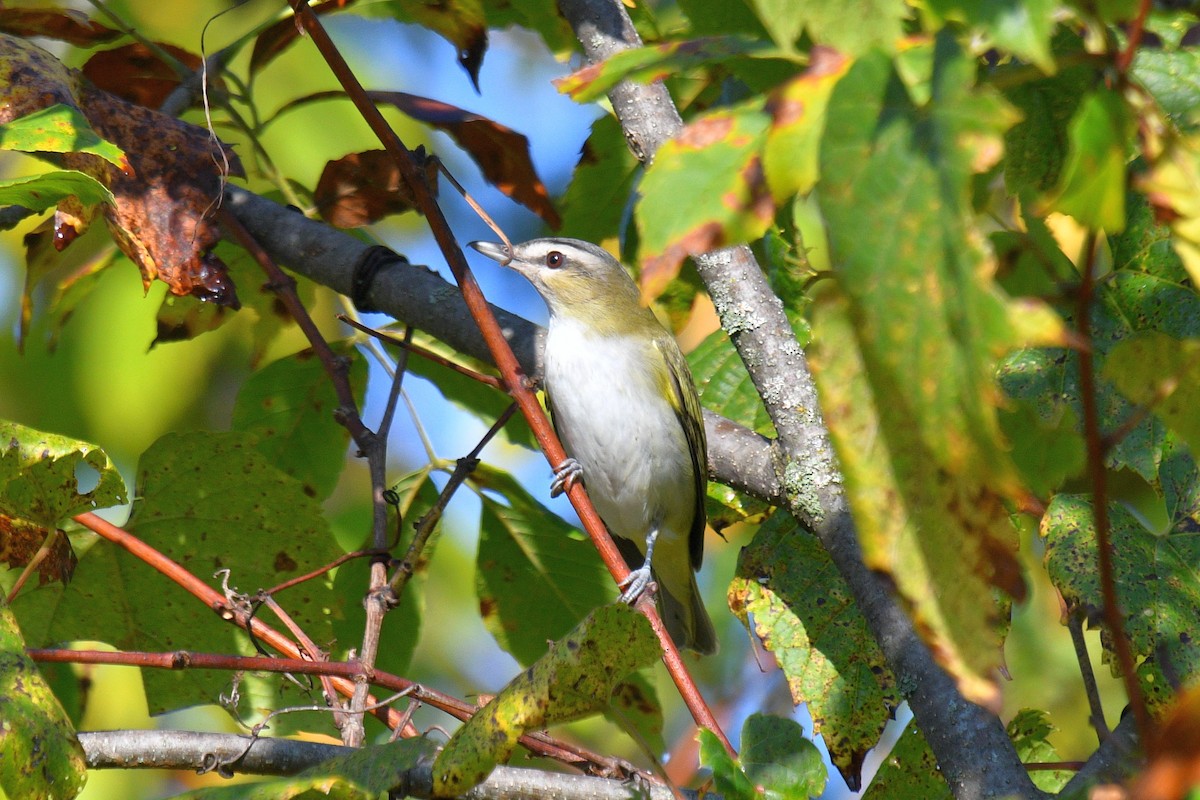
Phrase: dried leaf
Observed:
(163, 219)
(20, 541)
(136, 73)
(362, 188)
(501, 153)
(67, 25)
(275, 39)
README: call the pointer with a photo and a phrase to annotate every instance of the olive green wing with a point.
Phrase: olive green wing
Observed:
(686, 402)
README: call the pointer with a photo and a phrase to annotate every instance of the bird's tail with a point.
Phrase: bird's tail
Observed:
(686, 619)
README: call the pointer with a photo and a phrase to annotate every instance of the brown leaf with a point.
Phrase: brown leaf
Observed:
(501, 153)
(20, 541)
(67, 25)
(163, 218)
(136, 73)
(362, 188)
(165, 200)
(276, 38)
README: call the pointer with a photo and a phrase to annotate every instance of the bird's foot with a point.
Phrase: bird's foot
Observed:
(636, 584)
(567, 475)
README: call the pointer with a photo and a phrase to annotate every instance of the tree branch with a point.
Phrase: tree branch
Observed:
(269, 756)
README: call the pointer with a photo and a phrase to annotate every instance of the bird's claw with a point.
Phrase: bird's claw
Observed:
(636, 584)
(567, 475)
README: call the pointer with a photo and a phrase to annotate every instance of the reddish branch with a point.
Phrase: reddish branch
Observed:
(498, 346)
(1098, 477)
(345, 677)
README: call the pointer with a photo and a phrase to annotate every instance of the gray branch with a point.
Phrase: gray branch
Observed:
(231, 753)
(974, 752)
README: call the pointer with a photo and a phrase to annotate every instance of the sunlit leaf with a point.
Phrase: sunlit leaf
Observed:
(915, 421)
(803, 612)
(574, 679)
(1092, 188)
(59, 129)
(40, 758)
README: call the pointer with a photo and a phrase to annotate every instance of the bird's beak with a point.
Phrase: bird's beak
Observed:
(495, 251)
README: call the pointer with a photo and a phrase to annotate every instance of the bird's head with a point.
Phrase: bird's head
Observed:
(576, 278)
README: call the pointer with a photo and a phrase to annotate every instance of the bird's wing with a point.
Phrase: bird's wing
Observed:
(686, 403)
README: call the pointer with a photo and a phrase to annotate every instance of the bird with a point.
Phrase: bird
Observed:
(623, 403)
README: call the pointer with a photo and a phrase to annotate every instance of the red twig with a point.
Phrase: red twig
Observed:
(1125, 57)
(1098, 477)
(501, 352)
(344, 675)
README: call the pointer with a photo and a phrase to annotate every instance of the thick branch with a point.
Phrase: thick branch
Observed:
(974, 752)
(267, 756)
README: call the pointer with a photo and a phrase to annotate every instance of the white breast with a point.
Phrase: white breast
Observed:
(612, 419)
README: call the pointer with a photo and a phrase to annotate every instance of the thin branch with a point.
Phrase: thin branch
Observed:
(1098, 478)
(428, 355)
(1075, 625)
(373, 447)
(428, 522)
(505, 359)
(537, 743)
(1136, 28)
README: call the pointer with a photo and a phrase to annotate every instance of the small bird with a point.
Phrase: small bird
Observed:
(623, 403)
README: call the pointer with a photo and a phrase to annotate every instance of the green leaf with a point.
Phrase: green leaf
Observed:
(804, 613)
(1030, 730)
(909, 771)
(1154, 573)
(1046, 451)
(705, 189)
(573, 680)
(200, 496)
(731, 782)
(1163, 373)
(724, 384)
(777, 757)
(361, 775)
(596, 201)
(41, 476)
(40, 758)
(39, 192)
(905, 362)
(289, 406)
(59, 129)
(1171, 72)
(1092, 189)
(797, 109)
(536, 575)
(875, 23)
(1020, 26)
(1037, 146)
(783, 19)
(1148, 291)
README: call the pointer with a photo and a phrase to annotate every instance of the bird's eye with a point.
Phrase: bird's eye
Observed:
(555, 259)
